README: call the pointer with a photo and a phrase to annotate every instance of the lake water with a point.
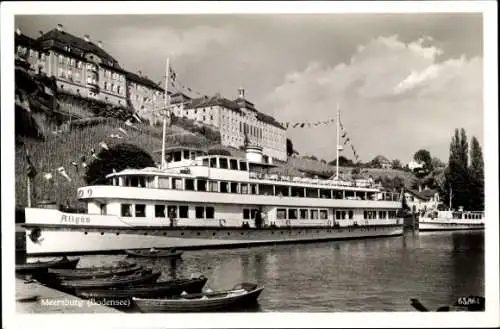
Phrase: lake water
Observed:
(343, 276)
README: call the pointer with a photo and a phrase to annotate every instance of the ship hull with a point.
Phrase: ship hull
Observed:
(55, 240)
(447, 226)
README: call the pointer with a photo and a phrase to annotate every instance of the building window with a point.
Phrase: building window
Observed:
(140, 210)
(126, 210)
(159, 210)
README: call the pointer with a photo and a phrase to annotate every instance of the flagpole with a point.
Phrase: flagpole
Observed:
(28, 186)
(163, 162)
(451, 195)
(338, 138)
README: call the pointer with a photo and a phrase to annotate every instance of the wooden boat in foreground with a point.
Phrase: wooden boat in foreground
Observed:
(148, 290)
(43, 266)
(140, 277)
(154, 253)
(467, 304)
(96, 272)
(242, 295)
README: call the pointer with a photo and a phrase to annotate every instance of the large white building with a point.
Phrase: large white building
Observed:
(236, 120)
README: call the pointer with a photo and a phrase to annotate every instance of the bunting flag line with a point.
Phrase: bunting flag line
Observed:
(137, 117)
(123, 131)
(104, 146)
(48, 176)
(31, 171)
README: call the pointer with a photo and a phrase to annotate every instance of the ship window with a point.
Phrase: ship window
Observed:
(234, 188)
(126, 210)
(192, 156)
(186, 154)
(201, 185)
(140, 210)
(304, 214)
(224, 187)
(292, 213)
(189, 184)
(183, 212)
(337, 215)
(253, 213)
(382, 215)
(351, 214)
(213, 162)
(223, 163)
(244, 189)
(243, 165)
(177, 156)
(103, 208)
(253, 188)
(281, 214)
(159, 210)
(365, 214)
(205, 162)
(213, 186)
(233, 164)
(246, 213)
(210, 212)
(314, 214)
(199, 212)
(177, 183)
(163, 182)
(172, 211)
(323, 214)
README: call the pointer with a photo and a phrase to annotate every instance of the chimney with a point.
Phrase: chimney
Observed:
(241, 93)
(40, 33)
(86, 37)
(60, 27)
(18, 31)
(99, 43)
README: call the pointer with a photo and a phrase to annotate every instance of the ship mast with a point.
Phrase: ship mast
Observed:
(165, 114)
(338, 139)
(451, 195)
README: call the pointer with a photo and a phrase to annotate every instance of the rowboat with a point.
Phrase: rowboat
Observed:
(95, 272)
(241, 296)
(140, 277)
(154, 253)
(43, 266)
(149, 290)
(468, 304)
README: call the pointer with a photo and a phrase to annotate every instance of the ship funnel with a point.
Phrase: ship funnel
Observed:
(254, 153)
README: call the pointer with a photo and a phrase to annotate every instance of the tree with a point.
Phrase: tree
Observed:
(457, 175)
(118, 157)
(219, 151)
(378, 161)
(396, 164)
(289, 147)
(437, 163)
(425, 157)
(476, 171)
(343, 161)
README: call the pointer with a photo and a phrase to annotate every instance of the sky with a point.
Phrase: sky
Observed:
(403, 82)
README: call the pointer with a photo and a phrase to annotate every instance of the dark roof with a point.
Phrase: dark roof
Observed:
(55, 39)
(143, 81)
(232, 105)
(213, 101)
(24, 40)
(424, 194)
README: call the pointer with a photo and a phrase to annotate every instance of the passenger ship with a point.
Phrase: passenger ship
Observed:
(448, 220)
(202, 200)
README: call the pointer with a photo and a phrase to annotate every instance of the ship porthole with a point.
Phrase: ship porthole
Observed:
(242, 233)
(228, 233)
(182, 233)
(198, 233)
(213, 234)
(102, 233)
(164, 233)
(85, 233)
(117, 233)
(281, 232)
(145, 233)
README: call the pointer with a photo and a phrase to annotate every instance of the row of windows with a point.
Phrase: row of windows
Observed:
(371, 214)
(191, 184)
(293, 213)
(458, 215)
(163, 211)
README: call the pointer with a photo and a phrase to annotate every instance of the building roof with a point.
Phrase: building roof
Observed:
(56, 39)
(24, 40)
(143, 81)
(425, 195)
(232, 105)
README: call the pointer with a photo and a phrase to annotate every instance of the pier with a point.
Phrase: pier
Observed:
(33, 297)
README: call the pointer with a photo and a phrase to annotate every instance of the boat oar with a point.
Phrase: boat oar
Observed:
(418, 305)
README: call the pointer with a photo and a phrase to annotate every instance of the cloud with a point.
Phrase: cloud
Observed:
(389, 91)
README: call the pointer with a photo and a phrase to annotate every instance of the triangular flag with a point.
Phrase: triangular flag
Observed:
(63, 173)
(123, 131)
(344, 134)
(302, 125)
(104, 145)
(137, 117)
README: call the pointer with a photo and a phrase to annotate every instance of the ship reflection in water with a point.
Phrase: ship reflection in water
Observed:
(345, 276)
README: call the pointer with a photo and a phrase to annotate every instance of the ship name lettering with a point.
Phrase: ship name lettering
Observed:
(71, 219)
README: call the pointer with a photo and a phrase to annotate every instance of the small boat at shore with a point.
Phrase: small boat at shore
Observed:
(148, 290)
(154, 253)
(242, 295)
(44, 266)
(447, 220)
(95, 272)
(140, 277)
(464, 304)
